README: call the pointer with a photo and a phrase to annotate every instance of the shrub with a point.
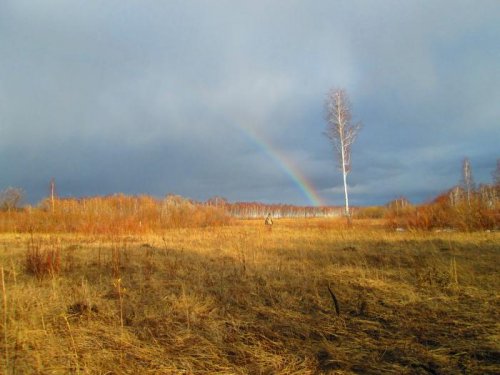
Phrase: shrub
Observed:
(117, 214)
(444, 212)
(42, 262)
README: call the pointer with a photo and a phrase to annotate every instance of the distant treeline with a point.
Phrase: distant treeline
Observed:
(136, 214)
(253, 210)
(114, 214)
(464, 207)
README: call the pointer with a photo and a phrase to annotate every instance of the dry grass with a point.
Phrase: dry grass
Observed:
(241, 299)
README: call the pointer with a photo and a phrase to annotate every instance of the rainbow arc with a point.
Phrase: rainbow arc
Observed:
(286, 164)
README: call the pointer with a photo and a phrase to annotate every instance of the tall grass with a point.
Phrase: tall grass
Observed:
(114, 215)
(42, 261)
(239, 299)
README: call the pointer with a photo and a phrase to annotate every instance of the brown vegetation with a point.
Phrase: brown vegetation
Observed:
(118, 214)
(121, 214)
(310, 297)
(453, 210)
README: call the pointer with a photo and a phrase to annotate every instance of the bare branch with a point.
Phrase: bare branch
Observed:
(334, 299)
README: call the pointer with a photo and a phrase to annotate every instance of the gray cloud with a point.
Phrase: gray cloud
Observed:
(149, 97)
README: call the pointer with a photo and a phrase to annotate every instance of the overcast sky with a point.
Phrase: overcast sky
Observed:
(152, 96)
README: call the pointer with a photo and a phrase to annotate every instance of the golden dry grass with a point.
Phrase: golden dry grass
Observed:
(244, 300)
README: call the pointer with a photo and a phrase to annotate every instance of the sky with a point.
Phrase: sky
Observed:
(227, 98)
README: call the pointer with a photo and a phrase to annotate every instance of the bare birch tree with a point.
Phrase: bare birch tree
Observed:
(467, 179)
(341, 132)
(496, 183)
(496, 174)
(52, 193)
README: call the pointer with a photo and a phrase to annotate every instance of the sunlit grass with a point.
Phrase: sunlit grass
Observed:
(245, 299)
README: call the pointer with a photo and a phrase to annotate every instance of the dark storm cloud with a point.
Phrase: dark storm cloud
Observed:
(150, 97)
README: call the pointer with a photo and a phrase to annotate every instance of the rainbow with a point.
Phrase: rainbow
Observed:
(286, 164)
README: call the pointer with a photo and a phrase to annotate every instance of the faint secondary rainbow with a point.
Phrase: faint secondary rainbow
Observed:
(286, 164)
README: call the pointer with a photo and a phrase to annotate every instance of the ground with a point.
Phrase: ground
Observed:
(243, 299)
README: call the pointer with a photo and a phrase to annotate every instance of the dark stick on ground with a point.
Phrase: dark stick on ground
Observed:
(335, 302)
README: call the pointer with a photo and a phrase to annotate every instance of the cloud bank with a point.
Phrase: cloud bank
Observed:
(154, 97)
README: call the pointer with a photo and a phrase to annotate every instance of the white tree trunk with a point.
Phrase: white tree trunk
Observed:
(343, 158)
(344, 175)
(346, 196)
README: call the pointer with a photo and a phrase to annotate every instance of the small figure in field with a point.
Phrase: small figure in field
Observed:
(269, 221)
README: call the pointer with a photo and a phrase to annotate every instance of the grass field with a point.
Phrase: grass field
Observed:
(241, 299)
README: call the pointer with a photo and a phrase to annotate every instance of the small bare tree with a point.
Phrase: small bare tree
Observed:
(467, 179)
(52, 193)
(496, 174)
(341, 132)
(11, 198)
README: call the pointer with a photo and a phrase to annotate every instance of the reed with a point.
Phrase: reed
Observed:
(4, 320)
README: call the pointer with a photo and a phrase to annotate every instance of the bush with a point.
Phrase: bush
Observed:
(118, 214)
(42, 262)
(444, 213)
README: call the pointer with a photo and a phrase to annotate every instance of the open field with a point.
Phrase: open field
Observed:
(240, 299)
